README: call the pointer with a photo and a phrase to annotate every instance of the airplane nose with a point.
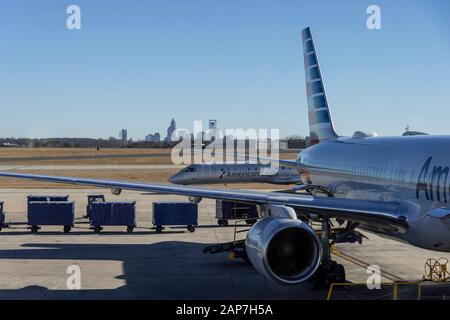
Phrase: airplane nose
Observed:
(173, 179)
(176, 179)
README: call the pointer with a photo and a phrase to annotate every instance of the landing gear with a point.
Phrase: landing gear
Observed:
(329, 271)
(222, 222)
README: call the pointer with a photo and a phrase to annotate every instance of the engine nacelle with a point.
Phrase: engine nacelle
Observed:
(284, 250)
(194, 199)
(116, 191)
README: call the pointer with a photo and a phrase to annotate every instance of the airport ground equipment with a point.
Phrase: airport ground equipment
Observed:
(436, 270)
(47, 198)
(92, 198)
(2, 216)
(51, 213)
(397, 290)
(230, 210)
(236, 248)
(113, 214)
(175, 214)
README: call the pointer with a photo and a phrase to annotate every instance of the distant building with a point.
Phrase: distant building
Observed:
(283, 145)
(156, 137)
(213, 131)
(212, 124)
(123, 135)
(170, 130)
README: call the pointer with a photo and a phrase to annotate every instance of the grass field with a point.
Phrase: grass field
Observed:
(67, 156)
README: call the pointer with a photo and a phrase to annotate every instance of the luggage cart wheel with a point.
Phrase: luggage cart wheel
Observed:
(130, 229)
(159, 229)
(97, 229)
(191, 228)
(67, 229)
(34, 229)
(222, 222)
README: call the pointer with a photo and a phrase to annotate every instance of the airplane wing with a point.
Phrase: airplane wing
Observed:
(370, 213)
(288, 163)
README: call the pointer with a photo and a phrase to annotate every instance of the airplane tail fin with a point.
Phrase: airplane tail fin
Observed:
(320, 123)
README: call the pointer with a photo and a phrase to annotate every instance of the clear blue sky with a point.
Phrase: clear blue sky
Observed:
(136, 64)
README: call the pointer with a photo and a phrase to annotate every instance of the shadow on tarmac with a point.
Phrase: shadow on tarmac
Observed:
(164, 270)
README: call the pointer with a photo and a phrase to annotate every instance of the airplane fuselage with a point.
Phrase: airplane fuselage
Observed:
(234, 173)
(412, 169)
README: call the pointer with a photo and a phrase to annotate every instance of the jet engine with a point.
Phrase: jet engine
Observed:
(194, 199)
(287, 251)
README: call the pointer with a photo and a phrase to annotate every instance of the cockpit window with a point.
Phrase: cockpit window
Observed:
(189, 169)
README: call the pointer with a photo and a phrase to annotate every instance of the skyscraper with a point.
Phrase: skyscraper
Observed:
(123, 135)
(170, 130)
(153, 137)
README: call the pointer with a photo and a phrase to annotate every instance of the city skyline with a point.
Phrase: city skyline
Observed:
(131, 67)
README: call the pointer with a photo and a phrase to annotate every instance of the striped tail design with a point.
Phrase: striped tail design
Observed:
(320, 123)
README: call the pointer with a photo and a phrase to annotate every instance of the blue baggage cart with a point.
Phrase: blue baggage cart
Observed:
(2, 216)
(41, 198)
(230, 210)
(55, 213)
(92, 198)
(113, 214)
(175, 214)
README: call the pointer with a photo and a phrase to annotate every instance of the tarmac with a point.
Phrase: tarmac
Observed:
(170, 265)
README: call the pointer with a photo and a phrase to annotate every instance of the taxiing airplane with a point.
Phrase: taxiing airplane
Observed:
(397, 187)
(234, 173)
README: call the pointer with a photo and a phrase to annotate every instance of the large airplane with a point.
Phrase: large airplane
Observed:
(397, 187)
(234, 173)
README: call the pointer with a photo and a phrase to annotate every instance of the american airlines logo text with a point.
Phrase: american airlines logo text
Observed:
(239, 174)
(213, 146)
(433, 182)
